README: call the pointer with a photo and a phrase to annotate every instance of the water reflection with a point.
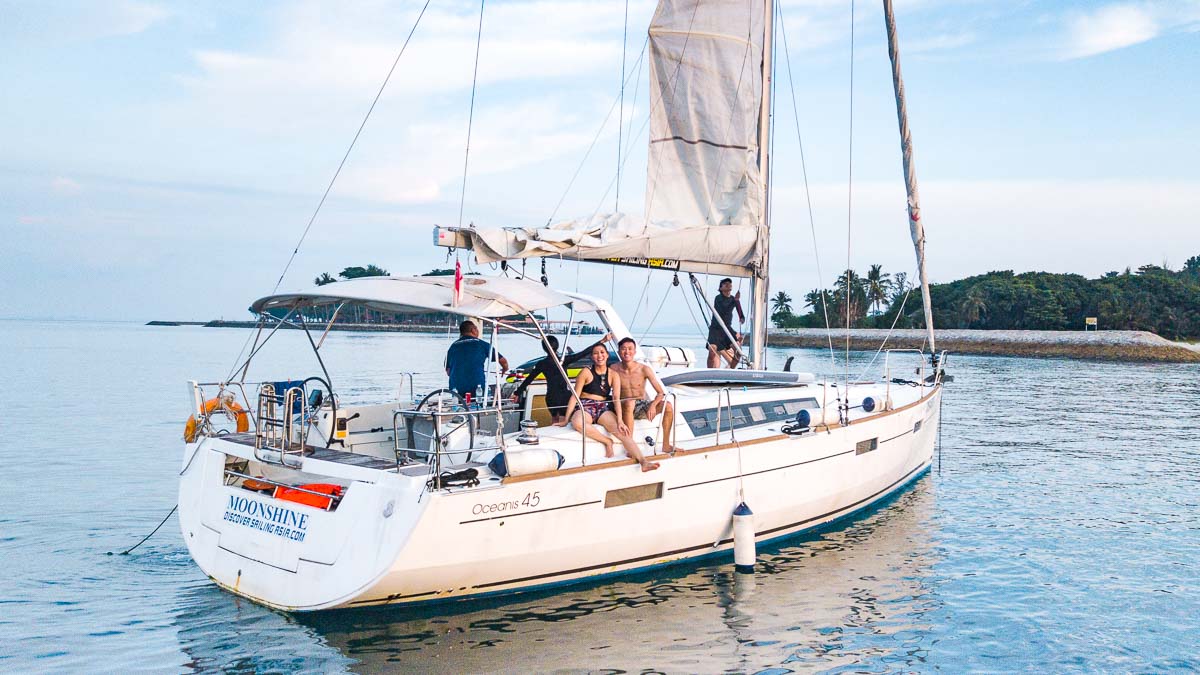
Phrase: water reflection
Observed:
(1063, 535)
(852, 595)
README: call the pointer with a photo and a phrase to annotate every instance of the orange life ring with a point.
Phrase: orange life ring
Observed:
(230, 406)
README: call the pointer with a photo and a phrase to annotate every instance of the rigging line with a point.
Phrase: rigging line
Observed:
(633, 106)
(604, 197)
(638, 307)
(349, 149)
(621, 115)
(654, 318)
(812, 223)
(886, 336)
(849, 199)
(770, 182)
(462, 200)
(578, 169)
(687, 303)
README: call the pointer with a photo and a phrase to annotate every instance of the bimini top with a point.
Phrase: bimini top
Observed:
(488, 297)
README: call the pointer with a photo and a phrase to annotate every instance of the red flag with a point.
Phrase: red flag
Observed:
(457, 283)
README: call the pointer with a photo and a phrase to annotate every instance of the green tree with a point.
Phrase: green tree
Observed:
(878, 285)
(1192, 266)
(360, 272)
(781, 308)
(324, 279)
(850, 296)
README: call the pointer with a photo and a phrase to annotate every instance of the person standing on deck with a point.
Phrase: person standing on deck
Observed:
(719, 344)
(467, 358)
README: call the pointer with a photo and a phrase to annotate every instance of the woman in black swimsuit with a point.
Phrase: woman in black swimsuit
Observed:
(599, 391)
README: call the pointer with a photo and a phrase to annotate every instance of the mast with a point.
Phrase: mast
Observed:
(910, 172)
(759, 288)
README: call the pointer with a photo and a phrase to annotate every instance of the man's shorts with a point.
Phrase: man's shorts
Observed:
(641, 409)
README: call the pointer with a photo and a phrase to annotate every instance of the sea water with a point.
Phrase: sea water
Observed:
(1059, 530)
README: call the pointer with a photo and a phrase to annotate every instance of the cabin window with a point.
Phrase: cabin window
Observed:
(917, 426)
(704, 422)
(633, 495)
(866, 446)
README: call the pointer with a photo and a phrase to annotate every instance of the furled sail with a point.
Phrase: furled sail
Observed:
(706, 62)
(704, 189)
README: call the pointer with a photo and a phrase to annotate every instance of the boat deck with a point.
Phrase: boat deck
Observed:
(324, 454)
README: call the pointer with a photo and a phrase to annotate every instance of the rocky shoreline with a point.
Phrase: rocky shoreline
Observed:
(1108, 345)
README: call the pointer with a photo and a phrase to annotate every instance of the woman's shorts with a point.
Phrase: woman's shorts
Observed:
(594, 408)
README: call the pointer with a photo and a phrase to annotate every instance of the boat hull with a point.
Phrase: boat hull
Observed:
(392, 542)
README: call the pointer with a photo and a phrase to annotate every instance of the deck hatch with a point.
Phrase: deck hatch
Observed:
(633, 495)
(866, 446)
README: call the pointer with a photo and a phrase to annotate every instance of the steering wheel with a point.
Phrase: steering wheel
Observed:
(443, 399)
(332, 402)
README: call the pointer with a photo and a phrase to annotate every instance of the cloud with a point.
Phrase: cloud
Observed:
(941, 42)
(79, 20)
(65, 186)
(1117, 26)
(1109, 28)
(543, 89)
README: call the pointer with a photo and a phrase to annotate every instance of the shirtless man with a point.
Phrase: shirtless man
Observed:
(634, 377)
(598, 397)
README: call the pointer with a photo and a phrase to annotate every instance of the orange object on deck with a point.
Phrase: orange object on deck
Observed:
(309, 499)
(212, 405)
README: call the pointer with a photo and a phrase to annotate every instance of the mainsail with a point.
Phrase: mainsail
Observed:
(705, 196)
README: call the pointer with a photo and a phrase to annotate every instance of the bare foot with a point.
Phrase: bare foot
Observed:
(669, 449)
(649, 466)
(608, 449)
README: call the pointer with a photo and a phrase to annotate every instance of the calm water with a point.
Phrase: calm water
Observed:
(1062, 533)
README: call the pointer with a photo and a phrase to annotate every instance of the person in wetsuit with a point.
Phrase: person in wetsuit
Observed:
(598, 389)
(558, 388)
(719, 344)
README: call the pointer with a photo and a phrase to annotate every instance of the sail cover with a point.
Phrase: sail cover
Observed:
(704, 194)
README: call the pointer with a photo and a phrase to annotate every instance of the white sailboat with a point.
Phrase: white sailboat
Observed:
(313, 504)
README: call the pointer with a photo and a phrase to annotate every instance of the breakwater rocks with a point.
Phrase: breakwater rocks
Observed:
(1106, 345)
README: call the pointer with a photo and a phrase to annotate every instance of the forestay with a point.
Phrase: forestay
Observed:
(704, 192)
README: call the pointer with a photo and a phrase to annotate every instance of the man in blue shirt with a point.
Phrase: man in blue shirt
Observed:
(466, 360)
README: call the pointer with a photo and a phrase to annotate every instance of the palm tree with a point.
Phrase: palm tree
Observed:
(851, 297)
(816, 298)
(973, 307)
(324, 279)
(878, 284)
(782, 306)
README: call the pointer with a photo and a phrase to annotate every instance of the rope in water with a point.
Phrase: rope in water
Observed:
(147, 537)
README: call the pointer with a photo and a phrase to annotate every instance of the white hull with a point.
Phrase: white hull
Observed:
(392, 541)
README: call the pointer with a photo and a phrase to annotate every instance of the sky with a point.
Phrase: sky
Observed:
(160, 160)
